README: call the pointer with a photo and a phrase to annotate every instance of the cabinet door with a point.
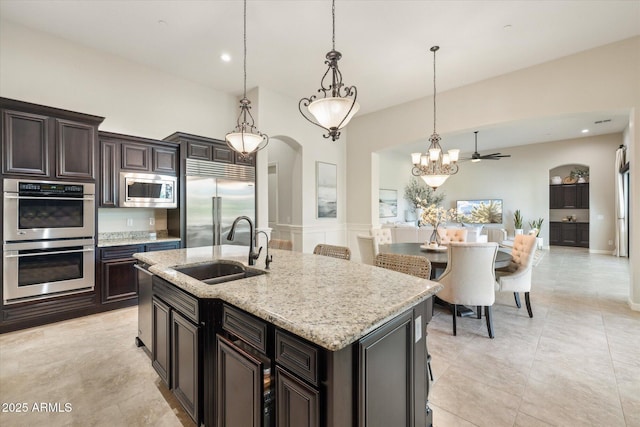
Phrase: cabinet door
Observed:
(161, 348)
(25, 142)
(185, 369)
(568, 234)
(162, 246)
(555, 233)
(164, 160)
(222, 153)
(570, 196)
(75, 145)
(198, 151)
(297, 403)
(136, 157)
(583, 196)
(119, 280)
(583, 235)
(239, 386)
(556, 197)
(386, 375)
(108, 175)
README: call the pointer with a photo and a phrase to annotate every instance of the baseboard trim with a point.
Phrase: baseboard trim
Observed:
(633, 305)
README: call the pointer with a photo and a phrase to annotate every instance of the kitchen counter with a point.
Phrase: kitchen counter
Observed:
(142, 239)
(328, 301)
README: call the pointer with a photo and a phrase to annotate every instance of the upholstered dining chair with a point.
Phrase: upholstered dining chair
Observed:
(382, 235)
(497, 235)
(333, 251)
(368, 248)
(448, 235)
(287, 245)
(414, 265)
(517, 276)
(469, 279)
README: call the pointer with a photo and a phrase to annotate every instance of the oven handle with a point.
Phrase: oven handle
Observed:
(51, 253)
(14, 196)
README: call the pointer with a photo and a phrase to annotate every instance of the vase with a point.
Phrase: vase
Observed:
(435, 236)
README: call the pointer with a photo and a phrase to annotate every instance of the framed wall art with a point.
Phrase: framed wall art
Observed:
(388, 203)
(327, 190)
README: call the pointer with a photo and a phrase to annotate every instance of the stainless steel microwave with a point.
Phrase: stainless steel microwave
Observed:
(141, 190)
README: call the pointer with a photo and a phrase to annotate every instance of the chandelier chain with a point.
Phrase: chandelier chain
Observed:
(245, 49)
(333, 15)
(434, 92)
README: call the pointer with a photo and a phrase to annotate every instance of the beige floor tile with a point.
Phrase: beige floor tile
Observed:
(442, 418)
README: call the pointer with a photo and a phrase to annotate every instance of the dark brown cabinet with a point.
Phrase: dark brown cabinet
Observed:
(117, 277)
(569, 196)
(582, 196)
(40, 141)
(131, 154)
(176, 344)
(297, 403)
(202, 148)
(569, 234)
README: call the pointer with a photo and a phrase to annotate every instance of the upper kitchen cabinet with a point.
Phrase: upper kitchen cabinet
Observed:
(202, 148)
(40, 141)
(125, 153)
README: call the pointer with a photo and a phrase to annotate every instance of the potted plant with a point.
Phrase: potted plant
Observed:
(581, 174)
(536, 224)
(419, 195)
(517, 222)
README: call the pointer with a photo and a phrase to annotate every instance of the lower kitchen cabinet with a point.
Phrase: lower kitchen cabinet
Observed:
(569, 234)
(298, 404)
(161, 350)
(185, 366)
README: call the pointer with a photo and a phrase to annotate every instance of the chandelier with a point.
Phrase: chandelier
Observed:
(245, 138)
(434, 166)
(338, 105)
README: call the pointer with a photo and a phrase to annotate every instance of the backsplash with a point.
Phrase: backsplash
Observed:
(128, 220)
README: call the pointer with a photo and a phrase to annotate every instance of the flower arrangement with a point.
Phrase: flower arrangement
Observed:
(419, 195)
(435, 215)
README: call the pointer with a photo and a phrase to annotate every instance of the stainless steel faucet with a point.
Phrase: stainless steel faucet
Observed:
(252, 255)
(269, 258)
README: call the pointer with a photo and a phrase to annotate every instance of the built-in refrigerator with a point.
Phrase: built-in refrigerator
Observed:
(215, 195)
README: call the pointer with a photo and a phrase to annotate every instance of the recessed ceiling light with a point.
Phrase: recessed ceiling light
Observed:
(225, 57)
(162, 22)
(507, 27)
(585, 130)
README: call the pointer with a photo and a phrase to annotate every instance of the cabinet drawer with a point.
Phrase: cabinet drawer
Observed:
(297, 356)
(186, 304)
(120, 252)
(163, 246)
(246, 327)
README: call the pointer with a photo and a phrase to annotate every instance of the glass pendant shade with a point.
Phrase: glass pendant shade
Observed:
(244, 142)
(333, 112)
(434, 181)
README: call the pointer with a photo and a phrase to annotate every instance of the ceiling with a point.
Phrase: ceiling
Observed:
(385, 46)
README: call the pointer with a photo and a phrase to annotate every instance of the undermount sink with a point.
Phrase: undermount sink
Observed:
(219, 271)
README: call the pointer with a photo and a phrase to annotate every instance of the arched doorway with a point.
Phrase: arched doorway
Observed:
(569, 205)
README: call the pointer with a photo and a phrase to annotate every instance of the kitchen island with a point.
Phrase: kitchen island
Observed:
(314, 341)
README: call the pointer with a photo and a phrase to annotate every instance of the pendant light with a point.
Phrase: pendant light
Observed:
(338, 105)
(245, 138)
(434, 167)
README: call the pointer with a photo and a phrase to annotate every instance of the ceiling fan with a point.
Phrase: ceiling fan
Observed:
(476, 157)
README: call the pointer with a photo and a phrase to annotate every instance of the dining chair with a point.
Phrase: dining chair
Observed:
(382, 235)
(368, 248)
(287, 245)
(517, 276)
(333, 251)
(413, 265)
(448, 235)
(469, 279)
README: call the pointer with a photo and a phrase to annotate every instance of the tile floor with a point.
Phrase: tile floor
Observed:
(576, 363)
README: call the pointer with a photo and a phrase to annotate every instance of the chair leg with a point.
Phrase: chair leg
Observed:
(454, 315)
(479, 311)
(487, 314)
(517, 297)
(528, 302)
(429, 367)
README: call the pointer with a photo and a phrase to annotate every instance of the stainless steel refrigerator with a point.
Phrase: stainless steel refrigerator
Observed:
(216, 194)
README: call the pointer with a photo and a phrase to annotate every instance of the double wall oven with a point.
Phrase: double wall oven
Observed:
(49, 239)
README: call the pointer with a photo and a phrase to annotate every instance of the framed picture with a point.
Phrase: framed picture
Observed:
(487, 211)
(327, 190)
(388, 203)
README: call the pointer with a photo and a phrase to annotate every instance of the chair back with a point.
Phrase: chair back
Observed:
(414, 265)
(368, 249)
(333, 251)
(524, 250)
(497, 235)
(287, 245)
(469, 278)
(382, 235)
(448, 235)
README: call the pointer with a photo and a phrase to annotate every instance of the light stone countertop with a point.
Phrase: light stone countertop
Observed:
(330, 302)
(103, 243)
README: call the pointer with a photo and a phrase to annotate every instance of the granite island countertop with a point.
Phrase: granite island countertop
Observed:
(330, 302)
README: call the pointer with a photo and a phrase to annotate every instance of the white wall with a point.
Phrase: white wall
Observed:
(604, 78)
(395, 174)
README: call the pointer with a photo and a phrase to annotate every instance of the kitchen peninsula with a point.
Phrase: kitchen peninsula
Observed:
(312, 341)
